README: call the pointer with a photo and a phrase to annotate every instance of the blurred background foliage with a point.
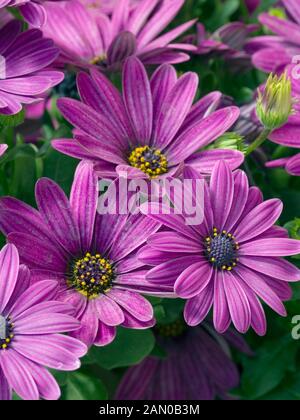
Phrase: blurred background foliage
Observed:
(274, 370)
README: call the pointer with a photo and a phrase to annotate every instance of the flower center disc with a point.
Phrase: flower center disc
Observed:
(6, 329)
(175, 329)
(92, 275)
(149, 160)
(222, 250)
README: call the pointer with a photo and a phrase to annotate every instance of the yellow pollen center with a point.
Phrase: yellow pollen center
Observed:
(149, 160)
(175, 329)
(99, 59)
(6, 332)
(92, 275)
(221, 249)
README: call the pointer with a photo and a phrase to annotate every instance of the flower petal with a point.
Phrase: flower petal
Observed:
(132, 302)
(238, 304)
(197, 308)
(138, 99)
(9, 269)
(259, 220)
(56, 211)
(83, 202)
(193, 280)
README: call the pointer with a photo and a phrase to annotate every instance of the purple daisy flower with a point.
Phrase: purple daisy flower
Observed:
(197, 366)
(91, 256)
(31, 323)
(290, 164)
(271, 53)
(151, 130)
(87, 39)
(230, 261)
(24, 76)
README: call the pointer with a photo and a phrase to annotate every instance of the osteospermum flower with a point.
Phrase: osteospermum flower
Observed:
(197, 366)
(24, 76)
(271, 53)
(91, 256)
(87, 38)
(290, 164)
(31, 323)
(231, 261)
(152, 129)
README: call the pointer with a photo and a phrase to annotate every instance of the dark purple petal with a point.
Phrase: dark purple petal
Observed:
(83, 202)
(238, 303)
(193, 280)
(138, 99)
(197, 308)
(55, 209)
(9, 270)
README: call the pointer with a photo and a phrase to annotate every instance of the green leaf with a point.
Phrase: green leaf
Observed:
(265, 372)
(12, 120)
(81, 386)
(129, 348)
(60, 168)
(173, 309)
(294, 228)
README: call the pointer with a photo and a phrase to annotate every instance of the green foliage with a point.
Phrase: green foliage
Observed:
(129, 348)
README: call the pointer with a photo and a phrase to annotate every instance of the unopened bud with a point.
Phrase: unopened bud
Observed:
(275, 103)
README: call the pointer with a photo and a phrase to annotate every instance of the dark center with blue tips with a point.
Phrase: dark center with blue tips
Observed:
(92, 275)
(149, 160)
(6, 332)
(222, 250)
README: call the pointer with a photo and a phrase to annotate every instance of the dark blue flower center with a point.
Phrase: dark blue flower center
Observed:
(174, 329)
(92, 275)
(68, 87)
(149, 160)
(221, 250)
(6, 332)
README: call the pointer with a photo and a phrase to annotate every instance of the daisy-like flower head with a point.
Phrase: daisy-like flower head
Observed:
(31, 323)
(231, 261)
(92, 257)
(87, 38)
(272, 53)
(24, 57)
(149, 131)
(197, 366)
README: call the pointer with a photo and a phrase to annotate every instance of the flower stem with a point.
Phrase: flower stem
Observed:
(259, 141)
